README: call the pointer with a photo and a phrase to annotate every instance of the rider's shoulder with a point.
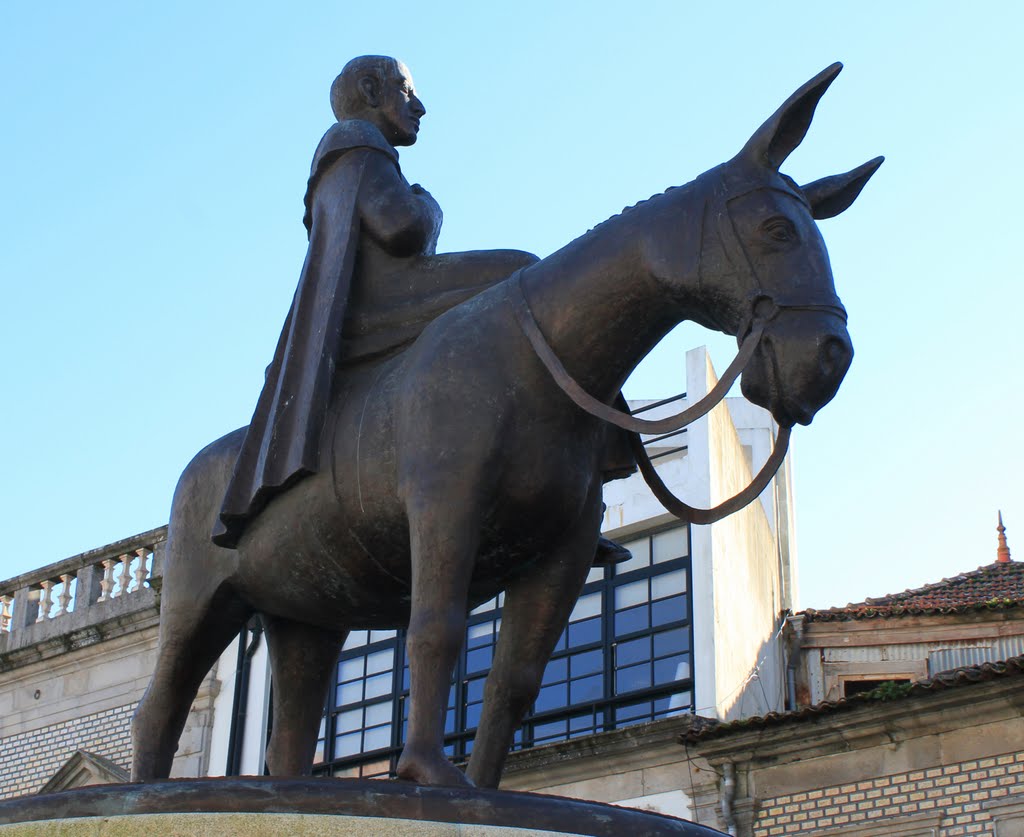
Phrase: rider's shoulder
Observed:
(350, 134)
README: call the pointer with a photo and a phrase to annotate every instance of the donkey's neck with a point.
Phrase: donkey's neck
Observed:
(600, 302)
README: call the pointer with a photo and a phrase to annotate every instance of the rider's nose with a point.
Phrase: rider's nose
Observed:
(417, 106)
(835, 356)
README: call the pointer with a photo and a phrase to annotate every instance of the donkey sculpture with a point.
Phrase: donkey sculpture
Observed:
(459, 468)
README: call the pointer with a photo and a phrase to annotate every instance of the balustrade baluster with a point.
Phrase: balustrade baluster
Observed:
(64, 599)
(141, 572)
(46, 602)
(126, 574)
(107, 584)
(5, 612)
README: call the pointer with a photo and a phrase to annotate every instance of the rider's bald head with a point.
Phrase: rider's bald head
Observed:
(348, 97)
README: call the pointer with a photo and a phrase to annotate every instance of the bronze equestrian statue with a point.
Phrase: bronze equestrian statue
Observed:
(453, 463)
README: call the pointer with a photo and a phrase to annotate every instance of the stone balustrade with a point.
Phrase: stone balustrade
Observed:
(82, 599)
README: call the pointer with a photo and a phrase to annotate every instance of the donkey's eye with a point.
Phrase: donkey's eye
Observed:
(779, 229)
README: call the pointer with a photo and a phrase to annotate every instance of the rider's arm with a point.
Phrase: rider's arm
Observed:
(402, 219)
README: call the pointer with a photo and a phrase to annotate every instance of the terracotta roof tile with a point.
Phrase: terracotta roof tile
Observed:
(996, 586)
(955, 678)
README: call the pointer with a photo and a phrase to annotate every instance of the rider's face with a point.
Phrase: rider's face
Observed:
(399, 109)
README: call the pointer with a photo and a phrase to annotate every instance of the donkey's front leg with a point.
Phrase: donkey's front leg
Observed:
(444, 536)
(537, 608)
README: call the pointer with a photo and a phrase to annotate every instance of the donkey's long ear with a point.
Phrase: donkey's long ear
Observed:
(774, 141)
(832, 195)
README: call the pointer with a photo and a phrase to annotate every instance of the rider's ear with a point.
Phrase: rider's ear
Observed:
(369, 90)
(832, 195)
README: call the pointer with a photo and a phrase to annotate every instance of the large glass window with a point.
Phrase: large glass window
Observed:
(624, 658)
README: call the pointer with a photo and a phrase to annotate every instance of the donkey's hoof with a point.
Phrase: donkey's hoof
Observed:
(433, 770)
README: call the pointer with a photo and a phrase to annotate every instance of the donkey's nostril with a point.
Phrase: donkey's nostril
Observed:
(835, 357)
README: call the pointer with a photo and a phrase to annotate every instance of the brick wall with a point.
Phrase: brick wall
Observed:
(956, 794)
(28, 760)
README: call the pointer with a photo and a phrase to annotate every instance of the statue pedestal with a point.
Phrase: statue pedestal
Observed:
(267, 807)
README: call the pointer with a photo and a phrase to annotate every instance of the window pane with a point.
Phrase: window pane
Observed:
(377, 636)
(479, 659)
(350, 693)
(585, 633)
(634, 651)
(589, 662)
(672, 668)
(630, 594)
(633, 678)
(488, 605)
(355, 639)
(350, 721)
(587, 690)
(669, 545)
(482, 634)
(350, 669)
(669, 584)
(348, 745)
(475, 689)
(377, 738)
(586, 606)
(551, 697)
(595, 574)
(556, 671)
(380, 661)
(378, 686)
(473, 715)
(378, 713)
(641, 550)
(671, 642)
(586, 723)
(678, 704)
(633, 711)
(635, 619)
(552, 729)
(669, 610)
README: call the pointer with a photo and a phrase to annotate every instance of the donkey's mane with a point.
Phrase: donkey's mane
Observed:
(629, 209)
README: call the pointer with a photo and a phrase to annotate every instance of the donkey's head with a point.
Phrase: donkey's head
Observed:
(764, 268)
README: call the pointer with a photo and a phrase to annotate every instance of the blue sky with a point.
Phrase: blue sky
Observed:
(155, 155)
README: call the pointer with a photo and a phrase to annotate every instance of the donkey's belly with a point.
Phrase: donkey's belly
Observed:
(306, 554)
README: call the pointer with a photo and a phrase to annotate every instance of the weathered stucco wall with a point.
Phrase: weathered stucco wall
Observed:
(745, 582)
(72, 672)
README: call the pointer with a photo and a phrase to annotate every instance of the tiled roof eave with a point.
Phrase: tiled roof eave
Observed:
(957, 678)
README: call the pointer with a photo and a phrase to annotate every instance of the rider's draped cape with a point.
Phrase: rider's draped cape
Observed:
(282, 443)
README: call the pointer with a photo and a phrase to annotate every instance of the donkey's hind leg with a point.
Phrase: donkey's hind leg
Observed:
(194, 631)
(303, 658)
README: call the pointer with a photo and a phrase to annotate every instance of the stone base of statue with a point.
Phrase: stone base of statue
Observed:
(266, 807)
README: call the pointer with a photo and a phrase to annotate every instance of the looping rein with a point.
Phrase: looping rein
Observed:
(763, 308)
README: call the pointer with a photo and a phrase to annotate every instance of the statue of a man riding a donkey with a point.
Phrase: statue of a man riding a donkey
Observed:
(434, 429)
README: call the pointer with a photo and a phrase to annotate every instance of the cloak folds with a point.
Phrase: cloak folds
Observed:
(282, 443)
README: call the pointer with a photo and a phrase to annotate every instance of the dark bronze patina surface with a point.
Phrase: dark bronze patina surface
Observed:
(411, 455)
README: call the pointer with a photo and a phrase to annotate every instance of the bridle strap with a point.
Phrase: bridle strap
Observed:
(586, 402)
(705, 516)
